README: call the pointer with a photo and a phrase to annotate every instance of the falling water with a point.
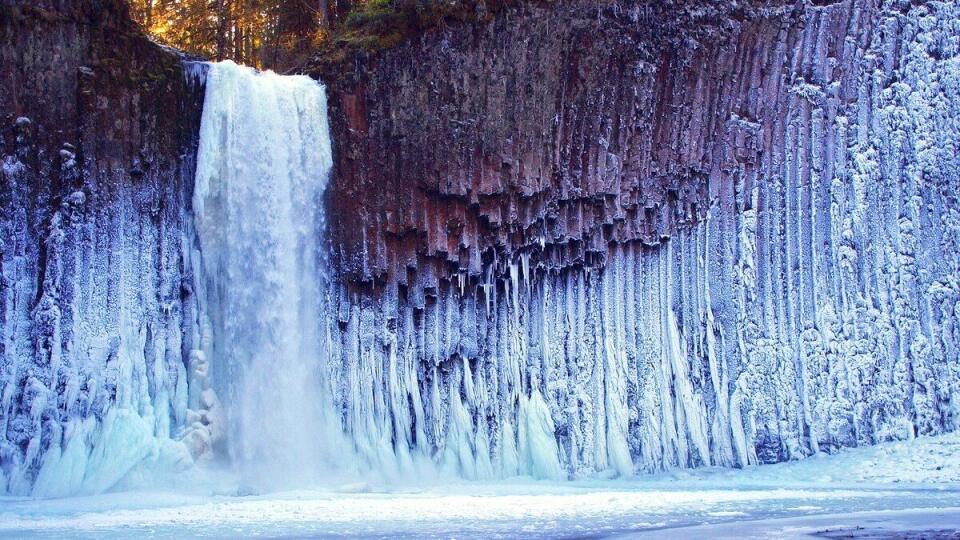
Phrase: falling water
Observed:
(262, 167)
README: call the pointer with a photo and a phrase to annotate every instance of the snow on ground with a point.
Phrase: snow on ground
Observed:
(893, 487)
(925, 460)
(903, 525)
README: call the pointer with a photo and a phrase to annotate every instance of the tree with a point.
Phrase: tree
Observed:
(261, 33)
(275, 34)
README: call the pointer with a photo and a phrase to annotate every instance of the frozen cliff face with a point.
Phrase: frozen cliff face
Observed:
(799, 290)
(95, 294)
(569, 241)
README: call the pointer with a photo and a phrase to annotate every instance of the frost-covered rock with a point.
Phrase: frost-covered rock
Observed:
(94, 318)
(811, 307)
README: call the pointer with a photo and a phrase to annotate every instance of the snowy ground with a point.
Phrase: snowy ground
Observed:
(860, 493)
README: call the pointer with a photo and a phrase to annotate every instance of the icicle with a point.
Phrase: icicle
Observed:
(537, 443)
(525, 266)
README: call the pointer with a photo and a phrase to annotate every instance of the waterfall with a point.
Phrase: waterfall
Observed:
(262, 166)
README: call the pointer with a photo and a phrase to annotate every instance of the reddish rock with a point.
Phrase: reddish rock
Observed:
(555, 129)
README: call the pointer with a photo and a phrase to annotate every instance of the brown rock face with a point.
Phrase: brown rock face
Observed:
(555, 129)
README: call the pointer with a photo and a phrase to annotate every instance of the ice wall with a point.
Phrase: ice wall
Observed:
(91, 369)
(96, 306)
(680, 356)
(815, 306)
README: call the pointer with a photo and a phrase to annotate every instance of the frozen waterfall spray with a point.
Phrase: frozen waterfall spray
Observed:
(262, 167)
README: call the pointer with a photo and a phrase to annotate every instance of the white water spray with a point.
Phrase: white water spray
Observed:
(262, 166)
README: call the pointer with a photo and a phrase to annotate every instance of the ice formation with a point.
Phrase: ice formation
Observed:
(93, 380)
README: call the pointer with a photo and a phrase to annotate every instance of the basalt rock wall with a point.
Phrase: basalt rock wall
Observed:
(590, 236)
(568, 239)
(555, 128)
(97, 142)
